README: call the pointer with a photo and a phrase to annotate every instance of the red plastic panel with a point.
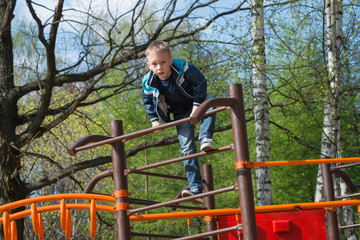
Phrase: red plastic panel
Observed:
(281, 226)
(289, 225)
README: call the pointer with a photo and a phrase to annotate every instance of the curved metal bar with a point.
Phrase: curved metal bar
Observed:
(85, 140)
(347, 180)
(96, 179)
(213, 102)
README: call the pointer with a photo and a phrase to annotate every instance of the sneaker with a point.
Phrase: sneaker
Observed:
(206, 144)
(187, 193)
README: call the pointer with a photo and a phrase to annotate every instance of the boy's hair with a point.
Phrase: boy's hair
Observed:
(157, 46)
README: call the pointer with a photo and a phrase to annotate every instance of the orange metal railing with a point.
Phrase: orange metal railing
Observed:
(8, 220)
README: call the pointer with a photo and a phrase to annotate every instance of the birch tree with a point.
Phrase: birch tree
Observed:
(263, 175)
(347, 213)
(331, 101)
(331, 137)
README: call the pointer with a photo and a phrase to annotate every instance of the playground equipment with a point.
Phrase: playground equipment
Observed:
(241, 223)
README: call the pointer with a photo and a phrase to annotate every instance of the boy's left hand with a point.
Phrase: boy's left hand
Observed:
(194, 110)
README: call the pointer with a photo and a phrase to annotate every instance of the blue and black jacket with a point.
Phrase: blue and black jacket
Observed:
(191, 83)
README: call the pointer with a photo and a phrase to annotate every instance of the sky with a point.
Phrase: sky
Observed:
(44, 10)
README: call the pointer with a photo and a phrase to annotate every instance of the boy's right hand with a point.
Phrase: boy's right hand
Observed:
(155, 124)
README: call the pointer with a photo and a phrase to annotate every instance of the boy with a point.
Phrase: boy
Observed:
(176, 87)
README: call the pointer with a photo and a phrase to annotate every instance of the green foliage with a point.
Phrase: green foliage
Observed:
(296, 86)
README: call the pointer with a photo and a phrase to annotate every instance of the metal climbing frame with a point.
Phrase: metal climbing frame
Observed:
(124, 214)
(120, 171)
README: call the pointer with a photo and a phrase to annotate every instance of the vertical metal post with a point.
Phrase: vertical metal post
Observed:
(120, 183)
(241, 149)
(331, 215)
(210, 200)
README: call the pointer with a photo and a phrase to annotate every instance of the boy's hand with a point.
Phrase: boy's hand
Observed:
(155, 124)
(194, 110)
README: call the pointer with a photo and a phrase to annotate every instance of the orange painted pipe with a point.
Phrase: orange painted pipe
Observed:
(7, 229)
(55, 197)
(93, 219)
(34, 218)
(63, 214)
(258, 209)
(41, 227)
(13, 230)
(301, 162)
(26, 213)
(68, 224)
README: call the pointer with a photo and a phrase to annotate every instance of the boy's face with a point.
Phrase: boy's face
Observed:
(160, 63)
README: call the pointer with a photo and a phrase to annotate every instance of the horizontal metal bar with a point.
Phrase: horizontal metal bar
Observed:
(348, 226)
(345, 166)
(133, 234)
(150, 202)
(347, 196)
(179, 159)
(158, 175)
(212, 233)
(164, 204)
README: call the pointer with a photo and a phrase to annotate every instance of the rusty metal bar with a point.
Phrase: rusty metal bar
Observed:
(345, 166)
(108, 173)
(91, 184)
(331, 216)
(345, 178)
(85, 140)
(241, 149)
(202, 111)
(80, 145)
(347, 196)
(159, 175)
(213, 233)
(348, 226)
(179, 159)
(209, 200)
(150, 202)
(120, 183)
(164, 204)
(153, 235)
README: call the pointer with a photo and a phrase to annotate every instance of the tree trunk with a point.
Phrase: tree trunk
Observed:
(263, 175)
(11, 186)
(331, 138)
(346, 212)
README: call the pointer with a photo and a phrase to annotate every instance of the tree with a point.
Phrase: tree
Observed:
(331, 137)
(105, 43)
(263, 175)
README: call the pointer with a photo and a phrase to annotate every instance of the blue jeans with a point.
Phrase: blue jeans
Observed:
(186, 137)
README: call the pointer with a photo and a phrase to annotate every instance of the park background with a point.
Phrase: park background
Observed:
(67, 68)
